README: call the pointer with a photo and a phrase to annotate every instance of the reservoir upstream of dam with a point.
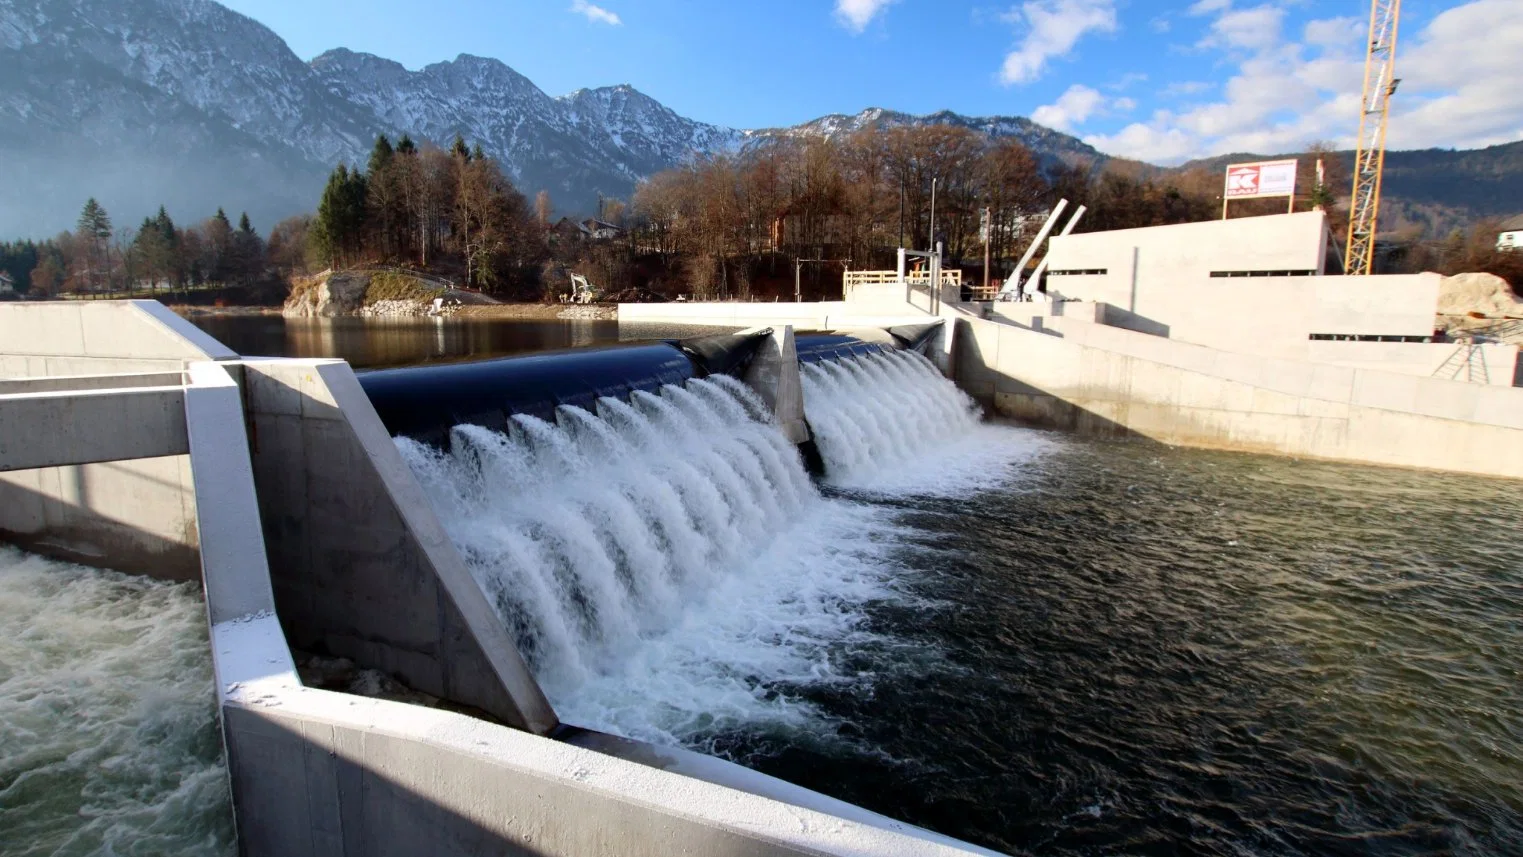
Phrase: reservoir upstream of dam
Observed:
(1036, 642)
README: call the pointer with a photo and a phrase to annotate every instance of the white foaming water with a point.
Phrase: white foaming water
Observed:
(889, 423)
(108, 731)
(666, 565)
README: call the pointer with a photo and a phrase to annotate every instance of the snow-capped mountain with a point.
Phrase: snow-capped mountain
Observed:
(1044, 141)
(190, 104)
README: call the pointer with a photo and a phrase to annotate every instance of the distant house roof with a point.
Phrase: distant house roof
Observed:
(1513, 224)
(7, 279)
(593, 224)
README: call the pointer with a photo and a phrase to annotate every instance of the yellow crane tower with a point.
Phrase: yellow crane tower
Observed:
(1369, 159)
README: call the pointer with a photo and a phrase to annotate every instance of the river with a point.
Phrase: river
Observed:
(1033, 641)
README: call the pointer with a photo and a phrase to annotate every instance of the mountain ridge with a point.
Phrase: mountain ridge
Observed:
(196, 106)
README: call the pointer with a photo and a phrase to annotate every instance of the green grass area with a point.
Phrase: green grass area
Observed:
(389, 286)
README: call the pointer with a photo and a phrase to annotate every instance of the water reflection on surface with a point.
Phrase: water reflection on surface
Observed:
(378, 342)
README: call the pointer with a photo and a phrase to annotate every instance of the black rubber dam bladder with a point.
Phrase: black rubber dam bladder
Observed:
(425, 402)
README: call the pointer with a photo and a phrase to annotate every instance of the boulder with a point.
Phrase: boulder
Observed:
(328, 295)
(1487, 294)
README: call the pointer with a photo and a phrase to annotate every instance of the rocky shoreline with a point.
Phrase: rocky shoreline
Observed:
(397, 294)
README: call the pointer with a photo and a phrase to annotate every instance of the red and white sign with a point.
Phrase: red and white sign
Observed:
(1266, 178)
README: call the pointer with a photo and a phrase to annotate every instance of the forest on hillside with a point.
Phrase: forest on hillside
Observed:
(728, 226)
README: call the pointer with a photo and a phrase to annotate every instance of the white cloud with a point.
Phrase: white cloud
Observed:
(1076, 105)
(1053, 27)
(1460, 86)
(1252, 29)
(1127, 81)
(1184, 87)
(595, 14)
(855, 15)
(1206, 7)
(1335, 32)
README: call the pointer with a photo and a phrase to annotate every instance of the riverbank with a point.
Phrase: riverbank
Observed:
(585, 312)
(536, 312)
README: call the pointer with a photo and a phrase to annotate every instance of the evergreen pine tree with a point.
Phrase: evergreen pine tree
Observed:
(477, 154)
(380, 156)
(340, 223)
(217, 264)
(459, 149)
(95, 228)
(406, 146)
(94, 222)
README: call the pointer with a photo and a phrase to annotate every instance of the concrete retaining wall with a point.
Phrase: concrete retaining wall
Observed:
(1153, 258)
(1104, 380)
(826, 315)
(52, 338)
(1160, 280)
(1500, 362)
(363, 568)
(137, 509)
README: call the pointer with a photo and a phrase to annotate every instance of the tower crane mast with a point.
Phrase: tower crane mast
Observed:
(1369, 158)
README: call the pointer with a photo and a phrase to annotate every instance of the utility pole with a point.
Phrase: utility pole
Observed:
(988, 227)
(901, 212)
(932, 242)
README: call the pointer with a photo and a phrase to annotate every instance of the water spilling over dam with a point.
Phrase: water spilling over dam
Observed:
(665, 562)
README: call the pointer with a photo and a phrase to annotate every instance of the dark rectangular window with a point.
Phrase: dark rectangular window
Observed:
(1263, 273)
(1366, 337)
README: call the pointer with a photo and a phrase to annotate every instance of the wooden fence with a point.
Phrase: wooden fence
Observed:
(852, 279)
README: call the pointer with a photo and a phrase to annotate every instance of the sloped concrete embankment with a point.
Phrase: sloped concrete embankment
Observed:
(1097, 379)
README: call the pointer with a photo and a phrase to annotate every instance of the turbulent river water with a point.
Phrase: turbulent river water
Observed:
(1035, 642)
(108, 732)
(1030, 641)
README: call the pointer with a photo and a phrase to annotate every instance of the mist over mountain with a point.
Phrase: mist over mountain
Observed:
(191, 105)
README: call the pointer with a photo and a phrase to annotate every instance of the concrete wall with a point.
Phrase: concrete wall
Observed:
(1163, 254)
(1494, 364)
(362, 567)
(1273, 316)
(1159, 281)
(826, 315)
(774, 375)
(52, 338)
(98, 474)
(330, 775)
(138, 509)
(1104, 380)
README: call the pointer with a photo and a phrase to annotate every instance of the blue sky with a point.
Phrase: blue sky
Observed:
(1153, 80)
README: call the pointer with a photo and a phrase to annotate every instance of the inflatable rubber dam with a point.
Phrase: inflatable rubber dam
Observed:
(573, 564)
(597, 495)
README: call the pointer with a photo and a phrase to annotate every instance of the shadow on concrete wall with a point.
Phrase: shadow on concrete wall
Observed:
(1117, 317)
(360, 567)
(1009, 398)
(30, 520)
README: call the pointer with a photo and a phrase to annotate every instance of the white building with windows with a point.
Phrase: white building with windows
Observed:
(1511, 236)
(7, 285)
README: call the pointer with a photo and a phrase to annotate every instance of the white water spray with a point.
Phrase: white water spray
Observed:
(665, 563)
(879, 409)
